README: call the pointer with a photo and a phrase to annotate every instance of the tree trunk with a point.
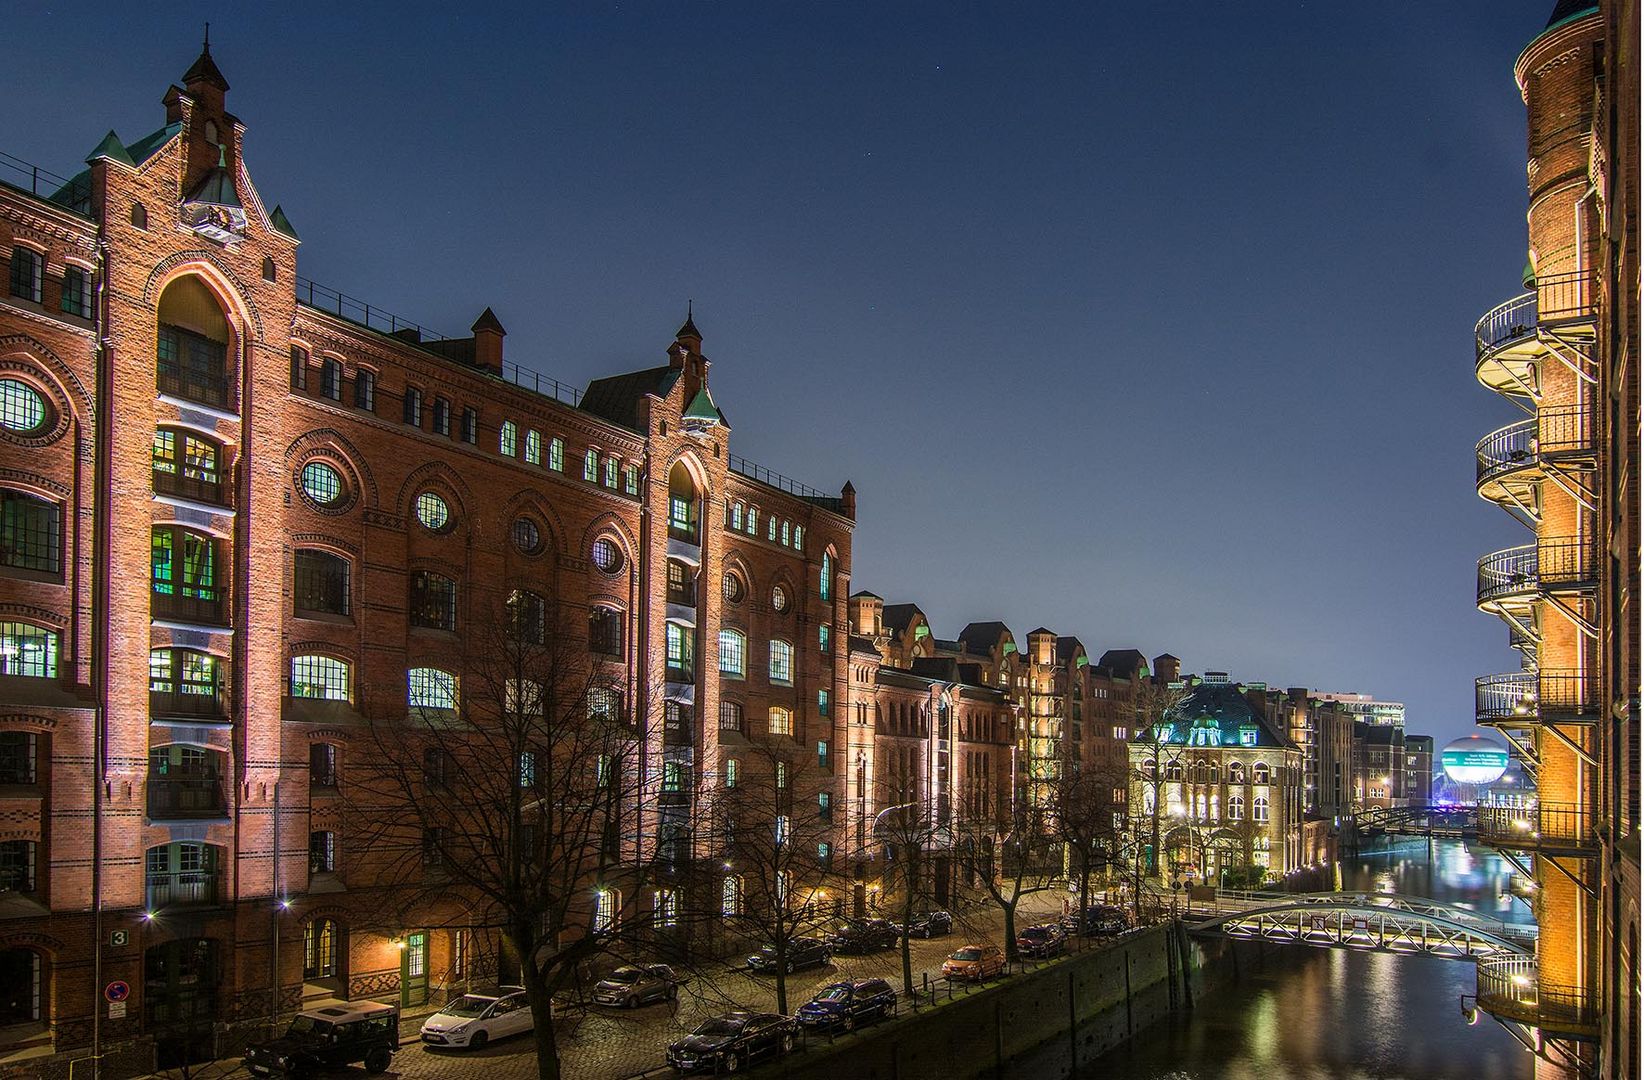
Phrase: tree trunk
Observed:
(782, 977)
(907, 956)
(541, 1000)
(1010, 931)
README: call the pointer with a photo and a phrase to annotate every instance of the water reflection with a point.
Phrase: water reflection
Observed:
(1321, 1014)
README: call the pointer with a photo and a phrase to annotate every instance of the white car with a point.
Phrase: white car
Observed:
(475, 1019)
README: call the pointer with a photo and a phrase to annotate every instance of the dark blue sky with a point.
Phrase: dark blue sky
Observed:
(1148, 323)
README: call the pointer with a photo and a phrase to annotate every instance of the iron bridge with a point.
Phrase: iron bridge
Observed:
(1450, 821)
(1377, 922)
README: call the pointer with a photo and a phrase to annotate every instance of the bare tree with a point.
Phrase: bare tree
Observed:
(774, 841)
(515, 797)
(1089, 820)
(1156, 706)
(1019, 862)
(911, 831)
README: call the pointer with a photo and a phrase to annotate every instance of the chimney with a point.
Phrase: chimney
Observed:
(847, 500)
(488, 335)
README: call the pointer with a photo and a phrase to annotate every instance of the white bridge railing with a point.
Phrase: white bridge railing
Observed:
(1375, 921)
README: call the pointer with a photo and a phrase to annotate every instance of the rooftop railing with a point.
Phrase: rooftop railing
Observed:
(26, 176)
(527, 379)
(743, 467)
(322, 298)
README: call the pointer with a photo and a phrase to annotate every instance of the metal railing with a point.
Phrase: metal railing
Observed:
(206, 611)
(527, 379)
(1558, 826)
(1566, 429)
(1511, 986)
(743, 467)
(1567, 560)
(167, 703)
(1558, 694)
(1557, 298)
(26, 176)
(182, 887)
(1507, 450)
(190, 487)
(357, 311)
(1508, 572)
(192, 796)
(1553, 561)
(206, 388)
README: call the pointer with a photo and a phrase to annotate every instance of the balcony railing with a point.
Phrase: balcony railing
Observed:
(176, 607)
(1555, 827)
(1553, 562)
(1556, 299)
(206, 388)
(182, 797)
(190, 487)
(1564, 696)
(170, 703)
(681, 673)
(1507, 450)
(1511, 987)
(183, 887)
(1507, 573)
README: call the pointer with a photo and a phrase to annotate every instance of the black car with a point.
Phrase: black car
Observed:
(928, 924)
(847, 1004)
(326, 1038)
(1098, 919)
(726, 1043)
(801, 952)
(1044, 940)
(863, 936)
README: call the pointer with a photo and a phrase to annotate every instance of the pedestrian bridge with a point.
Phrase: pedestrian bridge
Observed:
(1443, 821)
(1378, 922)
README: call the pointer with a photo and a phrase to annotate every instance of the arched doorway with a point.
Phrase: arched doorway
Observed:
(23, 989)
(325, 952)
(180, 999)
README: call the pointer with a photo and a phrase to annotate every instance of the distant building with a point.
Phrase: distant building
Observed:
(1367, 709)
(1418, 770)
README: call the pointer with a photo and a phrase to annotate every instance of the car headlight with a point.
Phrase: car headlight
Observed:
(459, 1029)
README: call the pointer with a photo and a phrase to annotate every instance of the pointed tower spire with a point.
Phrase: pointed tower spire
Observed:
(205, 69)
(688, 333)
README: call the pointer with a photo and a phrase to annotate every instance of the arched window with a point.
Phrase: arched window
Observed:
(1260, 774)
(590, 466)
(730, 896)
(320, 583)
(733, 654)
(556, 454)
(733, 518)
(188, 466)
(781, 662)
(753, 520)
(322, 677)
(533, 447)
(31, 532)
(825, 581)
(1259, 813)
(1235, 807)
(1213, 773)
(508, 439)
(1147, 768)
(433, 600)
(431, 688)
(780, 721)
(320, 949)
(331, 375)
(682, 504)
(184, 582)
(1173, 770)
(528, 617)
(191, 358)
(1235, 772)
(183, 872)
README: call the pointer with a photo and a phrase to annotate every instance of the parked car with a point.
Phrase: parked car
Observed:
(847, 1004)
(928, 924)
(863, 936)
(801, 952)
(1039, 942)
(977, 962)
(726, 1043)
(475, 1019)
(631, 986)
(1099, 919)
(330, 1037)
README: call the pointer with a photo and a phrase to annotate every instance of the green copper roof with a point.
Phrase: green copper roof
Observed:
(702, 408)
(112, 148)
(281, 223)
(218, 186)
(149, 145)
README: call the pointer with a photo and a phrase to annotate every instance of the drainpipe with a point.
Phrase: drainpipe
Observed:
(100, 633)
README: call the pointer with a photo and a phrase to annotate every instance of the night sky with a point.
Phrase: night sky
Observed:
(1148, 323)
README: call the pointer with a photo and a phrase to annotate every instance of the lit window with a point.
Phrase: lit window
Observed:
(590, 466)
(433, 512)
(678, 648)
(785, 534)
(784, 829)
(779, 599)
(799, 538)
(733, 652)
(667, 907)
(22, 409)
(321, 483)
(606, 905)
(730, 587)
(679, 514)
(433, 600)
(319, 677)
(781, 662)
(730, 896)
(630, 479)
(781, 775)
(1260, 774)
(607, 556)
(610, 472)
(27, 650)
(753, 520)
(823, 633)
(527, 769)
(556, 454)
(730, 716)
(821, 703)
(730, 772)
(507, 439)
(770, 529)
(822, 754)
(780, 721)
(533, 447)
(736, 517)
(184, 564)
(825, 579)
(430, 688)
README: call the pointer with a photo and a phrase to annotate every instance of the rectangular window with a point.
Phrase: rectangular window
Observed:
(732, 653)
(25, 273)
(322, 852)
(590, 466)
(822, 754)
(667, 907)
(508, 439)
(781, 663)
(556, 454)
(433, 600)
(679, 584)
(780, 721)
(730, 897)
(184, 564)
(365, 390)
(605, 705)
(470, 425)
(331, 379)
(679, 651)
(76, 295)
(673, 777)
(679, 516)
(30, 532)
(442, 417)
(17, 866)
(823, 632)
(430, 688)
(320, 582)
(413, 406)
(730, 772)
(610, 472)
(605, 631)
(533, 447)
(730, 716)
(821, 703)
(630, 479)
(191, 366)
(322, 765)
(299, 367)
(799, 540)
(527, 769)
(770, 530)
(319, 677)
(735, 519)
(18, 755)
(784, 829)
(824, 850)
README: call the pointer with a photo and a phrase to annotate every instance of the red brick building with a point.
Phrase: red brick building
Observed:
(245, 515)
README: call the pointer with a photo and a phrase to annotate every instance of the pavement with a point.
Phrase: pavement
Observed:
(598, 1043)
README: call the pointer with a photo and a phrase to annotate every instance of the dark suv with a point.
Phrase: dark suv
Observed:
(801, 952)
(1098, 919)
(928, 924)
(864, 936)
(329, 1037)
(847, 1004)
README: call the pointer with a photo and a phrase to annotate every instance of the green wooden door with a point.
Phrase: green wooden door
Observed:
(414, 970)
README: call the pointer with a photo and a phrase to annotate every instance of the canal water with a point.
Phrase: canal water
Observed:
(1301, 1013)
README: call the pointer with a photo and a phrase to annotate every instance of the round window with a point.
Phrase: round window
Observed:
(527, 537)
(607, 556)
(322, 483)
(22, 409)
(432, 511)
(779, 599)
(730, 587)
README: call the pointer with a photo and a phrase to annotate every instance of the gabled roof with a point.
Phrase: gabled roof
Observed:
(1067, 648)
(150, 144)
(1224, 707)
(218, 188)
(1122, 663)
(281, 223)
(900, 616)
(867, 594)
(112, 148)
(205, 70)
(981, 637)
(617, 398)
(943, 645)
(702, 408)
(1042, 632)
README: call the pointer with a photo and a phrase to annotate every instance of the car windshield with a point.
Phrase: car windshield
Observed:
(834, 993)
(623, 975)
(1036, 932)
(971, 954)
(719, 1026)
(467, 1005)
(308, 1025)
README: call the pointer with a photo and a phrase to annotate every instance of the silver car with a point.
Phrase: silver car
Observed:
(633, 985)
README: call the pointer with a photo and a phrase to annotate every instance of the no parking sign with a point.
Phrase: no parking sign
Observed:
(117, 990)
